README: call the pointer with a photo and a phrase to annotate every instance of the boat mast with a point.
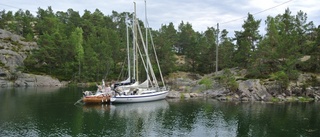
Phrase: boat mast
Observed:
(135, 69)
(156, 57)
(128, 53)
(146, 27)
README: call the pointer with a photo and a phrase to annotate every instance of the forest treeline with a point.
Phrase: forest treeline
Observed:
(92, 46)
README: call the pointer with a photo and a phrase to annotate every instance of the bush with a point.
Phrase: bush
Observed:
(2, 64)
(305, 99)
(206, 81)
(282, 78)
(293, 74)
(314, 81)
(254, 74)
(182, 96)
(233, 85)
(229, 80)
(274, 99)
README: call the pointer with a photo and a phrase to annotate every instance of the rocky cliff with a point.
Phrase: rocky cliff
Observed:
(13, 51)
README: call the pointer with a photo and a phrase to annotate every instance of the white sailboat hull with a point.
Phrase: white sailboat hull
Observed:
(140, 98)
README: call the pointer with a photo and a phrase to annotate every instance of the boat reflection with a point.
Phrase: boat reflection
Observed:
(98, 108)
(141, 118)
(140, 109)
(128, 110)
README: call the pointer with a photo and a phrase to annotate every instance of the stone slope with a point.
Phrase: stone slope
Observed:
(13, 51)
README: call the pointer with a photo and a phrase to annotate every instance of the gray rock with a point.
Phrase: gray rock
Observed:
(245, 99)
(13, 51)
(216, 93)
(174, 94)
(272, 87)
(281, 98)
(192, 95)
(26, 80)
(186, 95)
(198, 88)
(222, 98)
(253, 89)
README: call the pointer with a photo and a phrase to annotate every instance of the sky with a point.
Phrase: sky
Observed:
(230, 14)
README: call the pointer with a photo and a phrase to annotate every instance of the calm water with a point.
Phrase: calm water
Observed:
(51, 112)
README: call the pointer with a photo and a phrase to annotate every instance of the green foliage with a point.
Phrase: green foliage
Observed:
(166, 38)
(226, 50)
(313, 81)
(77, 41)
(282, 78)
(187, 45)
(233, 85)
(312, 64)
(256, 73)
(293, 99)
(293, 75)
(205, 50)
(305, 99)
(101, 48)
(246, 41)
(206, 81)
(280, 75)
(2, 64)
(182, 96)
(275, 99)
(29, 37)
(228, 80)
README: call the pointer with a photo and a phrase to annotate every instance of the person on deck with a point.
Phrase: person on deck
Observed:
(107, 89)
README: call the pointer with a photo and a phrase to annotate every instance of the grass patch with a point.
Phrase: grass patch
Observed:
(182, 96)
(275, 99)
(292, 99)
(305, 99)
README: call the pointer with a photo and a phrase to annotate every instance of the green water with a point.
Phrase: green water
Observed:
(51, 112)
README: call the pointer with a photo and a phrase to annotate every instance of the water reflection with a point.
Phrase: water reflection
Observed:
(196, 118)
(99, 108)
(141, 109)
(213, 118)
(127, 110)
(141, 118)
(45, 112)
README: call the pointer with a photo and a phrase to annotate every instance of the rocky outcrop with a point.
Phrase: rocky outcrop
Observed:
(248, 89)
(30, 80)
(37, 80)
(13, 51)
(253, 89)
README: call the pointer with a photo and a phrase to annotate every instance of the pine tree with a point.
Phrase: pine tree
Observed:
(77, 41)
(226, 50)
(166, 39)
(247, 41)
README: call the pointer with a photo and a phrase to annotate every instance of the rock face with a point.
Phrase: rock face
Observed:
(253, 89)
(248, 90)
(30, 80)
(13, 51)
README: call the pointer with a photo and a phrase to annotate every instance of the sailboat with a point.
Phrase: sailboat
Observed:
(148, 90)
